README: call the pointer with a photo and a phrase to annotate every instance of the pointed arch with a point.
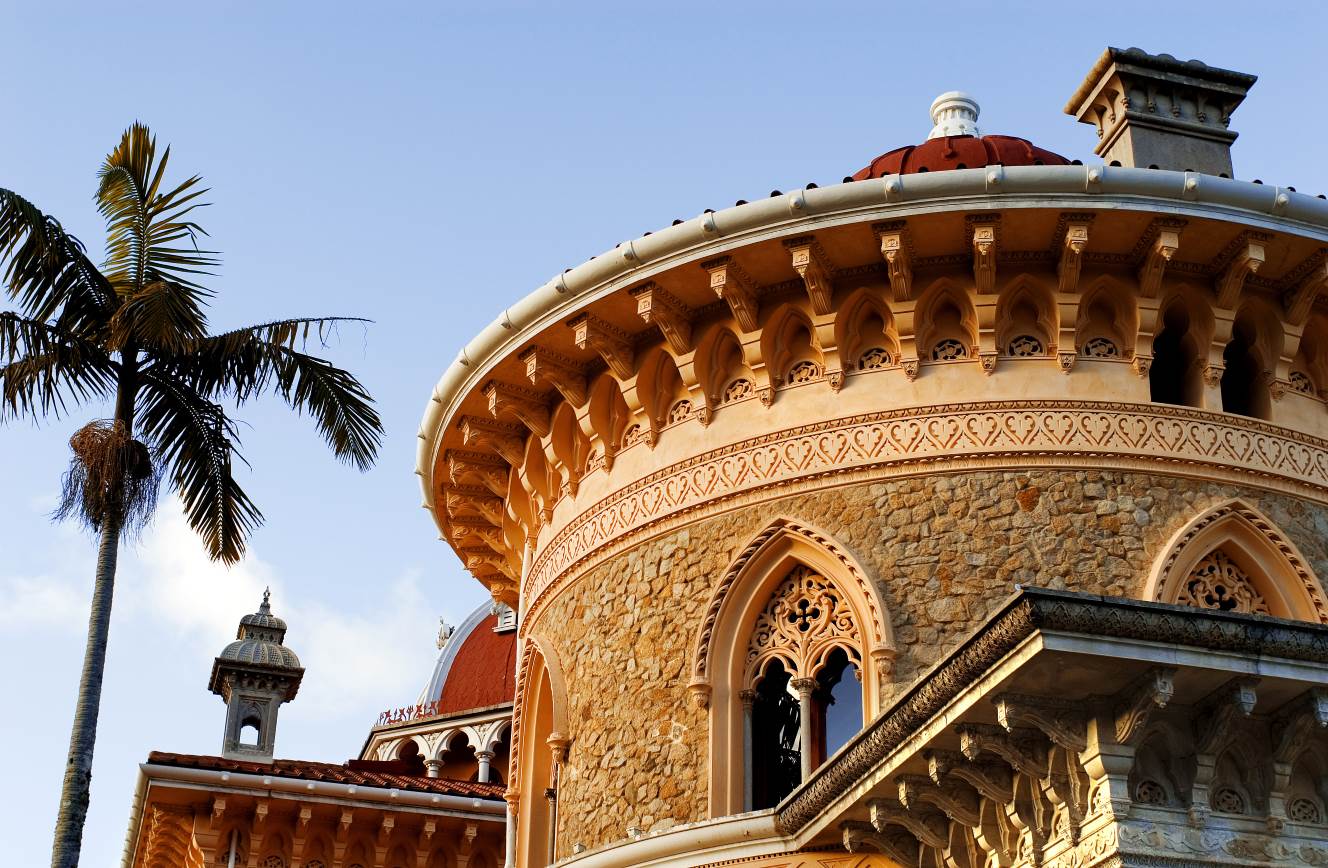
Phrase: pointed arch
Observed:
(722, 369)
(946, 321)
(1108, 321)
(1027, 319)
(790, 347)
(720, 653)
(1180, 348)
(1238, 538)
(660, 387)
(540, 724)
(865, 332)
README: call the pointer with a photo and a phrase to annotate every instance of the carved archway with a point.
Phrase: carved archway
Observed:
(720, 655)
(1234, 557)
(539, 741)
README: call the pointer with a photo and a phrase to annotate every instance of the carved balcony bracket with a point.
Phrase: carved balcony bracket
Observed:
(816, 271)
(1061, 721)
(1218, 714)
(955, 800)
(657, 306)
(504, 438)
(466, 500)
(518, 402)
(1299, 722)
(896, 845)
(1160, 248)
(484, 560)
(1249, 256)
(992, 780)
(612, 343)
(983, 240)
(1072, 247)
(1307, 283)
(736, 288)
(897, 251)
(489, 471)
(930, 828)
(1136, 704)
(1023, 750)
(463, 527)
(565, 375)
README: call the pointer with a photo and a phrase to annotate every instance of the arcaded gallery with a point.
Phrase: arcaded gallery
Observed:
(971, 512)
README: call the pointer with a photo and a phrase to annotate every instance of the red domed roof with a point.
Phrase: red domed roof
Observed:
(483, 673)
(960, 152)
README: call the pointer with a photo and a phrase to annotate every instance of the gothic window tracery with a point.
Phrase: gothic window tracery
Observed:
(1101, 348)
(1025, 346)
(1218, 582)
(874, 359)
(948, 350)
(680, 411)
(1301, 382)
(803, 646)
(805, 371)
(737, 390)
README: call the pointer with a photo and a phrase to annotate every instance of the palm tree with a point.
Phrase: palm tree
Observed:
(133, 334)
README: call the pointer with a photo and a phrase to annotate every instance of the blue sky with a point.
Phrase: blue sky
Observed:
(424, 166)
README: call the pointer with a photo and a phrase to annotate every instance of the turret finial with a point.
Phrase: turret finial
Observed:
(954, 113)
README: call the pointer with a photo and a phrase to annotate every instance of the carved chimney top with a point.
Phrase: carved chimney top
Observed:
(954, 113)
(1154, 111)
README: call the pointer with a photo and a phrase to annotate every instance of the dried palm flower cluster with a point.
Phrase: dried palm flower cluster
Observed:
(111, 474)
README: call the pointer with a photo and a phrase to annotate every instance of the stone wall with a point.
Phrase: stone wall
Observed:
(945, 548)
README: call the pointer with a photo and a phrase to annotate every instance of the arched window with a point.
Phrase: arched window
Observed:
(540, 744)
(1175, 376)
(1244, 387)
(801, 645)
(792, 658)
(1233, 558)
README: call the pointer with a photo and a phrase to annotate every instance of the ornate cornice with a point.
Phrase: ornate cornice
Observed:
(1149, 437)
(1029, 611)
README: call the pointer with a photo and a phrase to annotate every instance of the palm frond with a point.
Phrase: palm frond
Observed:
(244, 363)
(196, 440)
(145, 261)
(49, 274)
(44, 370)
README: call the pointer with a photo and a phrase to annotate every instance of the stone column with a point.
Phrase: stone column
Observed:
(509, 852)
(485, 757)
(804, 686)
(433, 768)
(748, 697)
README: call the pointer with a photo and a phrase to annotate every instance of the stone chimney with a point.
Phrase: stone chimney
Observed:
(1153, 111)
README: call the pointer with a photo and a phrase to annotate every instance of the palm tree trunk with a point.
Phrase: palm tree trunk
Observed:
(78, 770)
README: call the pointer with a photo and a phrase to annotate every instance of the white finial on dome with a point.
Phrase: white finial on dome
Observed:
(954, 113)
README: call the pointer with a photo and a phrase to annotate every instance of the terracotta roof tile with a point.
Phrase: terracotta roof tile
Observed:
(484, 671)
(330, 773)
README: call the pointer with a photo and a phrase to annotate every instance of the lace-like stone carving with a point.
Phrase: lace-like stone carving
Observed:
(633, 435)
(1217, 582)
(737, 390)
(806, 619)
(1304, 811)
(948, 350)
(804, 372)
(1301, 382)
(1025, 346)
(1150, 792)
(680, 411)
(1101, 348)
(873, 359)
(1228, 801)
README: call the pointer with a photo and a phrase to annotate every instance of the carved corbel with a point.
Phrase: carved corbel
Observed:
(489, 472)
(503, 438)
(1136, 703)
(1159, 253)
(1216, 715)
(1072, 255)
(476, 501)
(1299, 300)
(217, 812)
(910, 367)
(898, 255)
(816, 271)
(1248, 258)
(462, 528)
(736, 288)
(547, 366)
(984, 253)
(900, 847)
(699, 689)
(518, 402)
(613, 344)
(929, 828)
(424, 842)
(341, 838)
(1022, 750)
(956, 802)
(1059, 720)
(482, 560)
(656, 305)
(992, 780)
(1297, 722)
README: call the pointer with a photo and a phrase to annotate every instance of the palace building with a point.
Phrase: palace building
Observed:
(969, 512)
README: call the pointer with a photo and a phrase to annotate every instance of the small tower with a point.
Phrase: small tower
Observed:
(254, 675)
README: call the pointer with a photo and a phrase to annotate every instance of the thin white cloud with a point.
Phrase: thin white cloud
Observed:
(41, 603)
